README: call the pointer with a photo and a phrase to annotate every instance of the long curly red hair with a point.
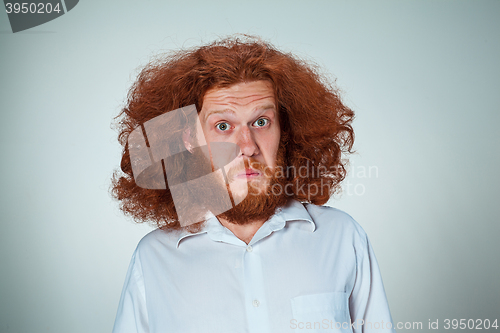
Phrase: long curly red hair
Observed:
(315, 125)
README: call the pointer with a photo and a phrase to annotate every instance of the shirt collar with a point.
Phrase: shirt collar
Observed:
(293, 211)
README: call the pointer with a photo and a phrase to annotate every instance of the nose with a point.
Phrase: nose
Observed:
(246, 142)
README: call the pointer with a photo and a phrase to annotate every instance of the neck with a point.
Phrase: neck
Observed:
(246, 231)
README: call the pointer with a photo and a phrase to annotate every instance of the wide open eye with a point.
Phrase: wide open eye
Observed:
(222, 126)
(261, 122)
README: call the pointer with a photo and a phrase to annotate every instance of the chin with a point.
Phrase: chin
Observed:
(243, 188)
(254, 202)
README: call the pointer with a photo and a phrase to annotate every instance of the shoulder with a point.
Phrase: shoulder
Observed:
(158, 240)
(332, 221)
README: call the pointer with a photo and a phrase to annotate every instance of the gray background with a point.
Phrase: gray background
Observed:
(422, 76)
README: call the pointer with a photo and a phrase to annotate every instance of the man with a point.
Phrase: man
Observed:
(242, 243)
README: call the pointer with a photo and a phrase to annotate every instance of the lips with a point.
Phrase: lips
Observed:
(248, 173)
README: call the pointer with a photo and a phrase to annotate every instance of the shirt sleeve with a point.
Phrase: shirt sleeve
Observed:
(132, 315)
(368, 303)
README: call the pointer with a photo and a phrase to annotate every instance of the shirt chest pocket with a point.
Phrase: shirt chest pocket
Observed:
(321, 312)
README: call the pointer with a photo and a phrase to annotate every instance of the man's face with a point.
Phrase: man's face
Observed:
(244, 114)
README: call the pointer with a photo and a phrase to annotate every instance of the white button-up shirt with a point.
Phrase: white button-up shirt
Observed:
(307, 269)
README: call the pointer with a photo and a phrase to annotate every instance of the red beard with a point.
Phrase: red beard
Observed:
(260, 204)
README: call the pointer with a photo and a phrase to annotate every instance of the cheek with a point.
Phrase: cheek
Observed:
(271, 148)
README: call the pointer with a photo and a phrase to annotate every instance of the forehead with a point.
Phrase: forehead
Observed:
(239, 95)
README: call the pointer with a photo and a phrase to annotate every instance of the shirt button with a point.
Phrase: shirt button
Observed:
(249, 248)
(256, 303)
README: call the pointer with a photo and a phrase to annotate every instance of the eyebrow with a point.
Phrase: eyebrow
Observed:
(260, 108)
(218, 111)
